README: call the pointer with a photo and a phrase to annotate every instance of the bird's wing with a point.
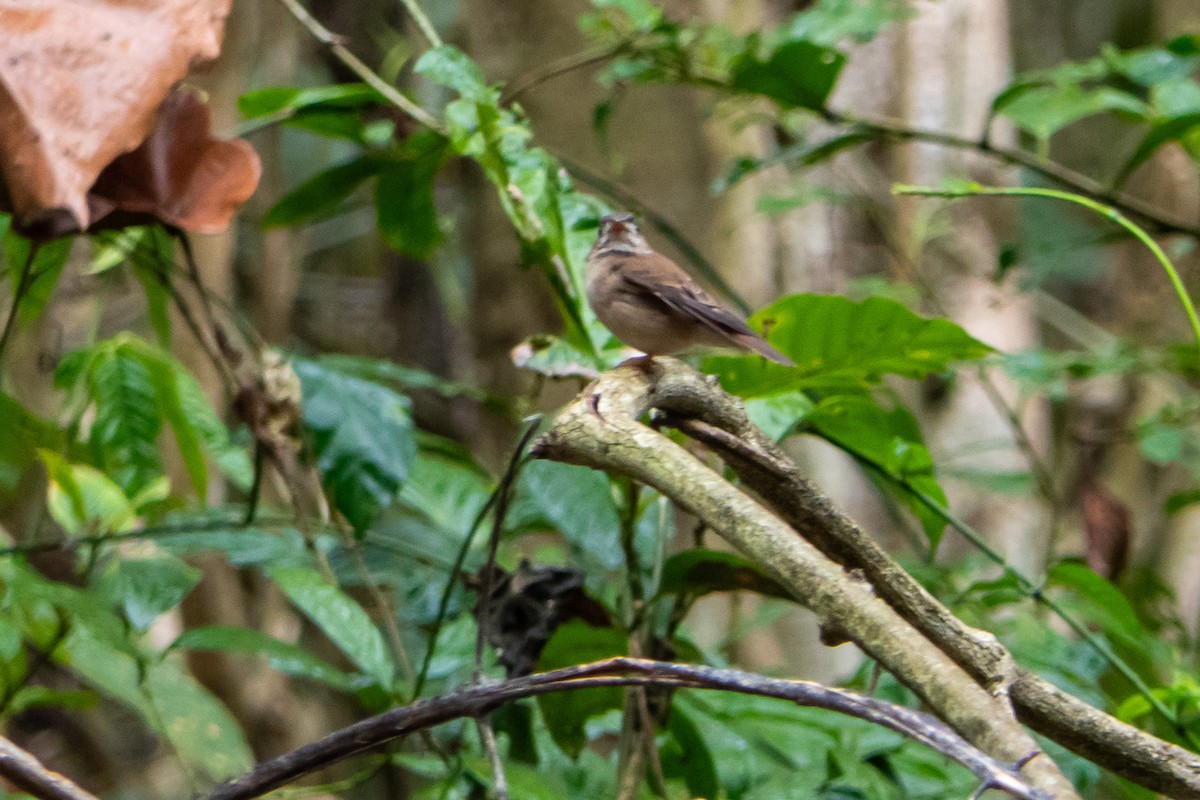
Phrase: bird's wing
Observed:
(663, 278)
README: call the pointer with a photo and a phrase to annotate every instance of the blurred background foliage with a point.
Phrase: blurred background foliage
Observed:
(1001, 390)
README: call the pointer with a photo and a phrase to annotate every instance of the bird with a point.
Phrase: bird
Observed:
(651, 304)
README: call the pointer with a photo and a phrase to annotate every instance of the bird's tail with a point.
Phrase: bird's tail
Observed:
(759, 345)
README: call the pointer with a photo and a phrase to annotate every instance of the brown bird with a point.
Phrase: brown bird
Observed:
(650, 303)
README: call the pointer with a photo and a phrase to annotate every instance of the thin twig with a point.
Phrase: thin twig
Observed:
(487, 739)
(20, 768)
(24, 281)
(334, 43)
(470, 701)
(427, 29)
(1076, 181)
(569, 63)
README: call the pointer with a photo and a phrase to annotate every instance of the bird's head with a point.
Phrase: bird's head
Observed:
(619, 234)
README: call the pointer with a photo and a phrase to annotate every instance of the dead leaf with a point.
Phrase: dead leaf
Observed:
(80, 83)
(1106, 529)
(180, 175)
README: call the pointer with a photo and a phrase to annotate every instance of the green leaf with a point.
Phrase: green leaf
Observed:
(777, 414)
(285, 657)
(403, 377)
(643, 15)
(167, 375)
(1115, 613)
(201, 731)
(889, 442)
(244, 547)
(404, 203)
(233, 460)
(23, 434)
(566, 713)
(340, 618)
(575, 500)
(1171, 130)
(798, 74)
(146, 588)
(34, 284)
(700, 571)
(687, 756)
(1043, 110)
(321, 194)
(272, 100)
(362, 435)
(451, 67)
(1181, 500)
(838, 343)
(84, 500)
(127, 421)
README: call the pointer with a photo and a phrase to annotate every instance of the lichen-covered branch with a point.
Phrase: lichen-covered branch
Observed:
(711, 416)
(601, 429)
(22, 770)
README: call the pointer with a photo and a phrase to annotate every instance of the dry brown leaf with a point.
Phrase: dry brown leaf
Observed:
(1106, 528)
(180, 175)
(80, 82)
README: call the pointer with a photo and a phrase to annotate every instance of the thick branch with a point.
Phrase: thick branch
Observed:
(476, 700)
(600, 429)
(711, 416)
(25, 772)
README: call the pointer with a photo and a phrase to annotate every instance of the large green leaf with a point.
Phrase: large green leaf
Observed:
(340, 618)
(699, 571)
(839, 343)
(34, 268)
(890, 443)
(798, 74)
(81, 499)
(322, 194)
(201, 730)
(145, 588)
(134, 387)
(450, 67)
(567, 713)
(23, 434)
(288, 658)
(404, 196)
(276, 99)
(127, 422)
(1043, 110)
(687, 757)
(577, 501)
(362, 435)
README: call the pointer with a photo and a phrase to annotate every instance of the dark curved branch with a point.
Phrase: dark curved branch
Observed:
(473, 701)
(20, 768)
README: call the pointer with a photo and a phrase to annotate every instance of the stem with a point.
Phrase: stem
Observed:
(1061, 175)
(24, 281)
(1107, 211)
(427, 29)
(352, 62)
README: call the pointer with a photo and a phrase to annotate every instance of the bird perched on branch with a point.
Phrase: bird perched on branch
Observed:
(650, 303)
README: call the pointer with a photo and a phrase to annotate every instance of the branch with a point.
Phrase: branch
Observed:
(473, 701)
(1154, 217)
(719, 421)
(352, 62)
(25, 772)
(600, 429)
